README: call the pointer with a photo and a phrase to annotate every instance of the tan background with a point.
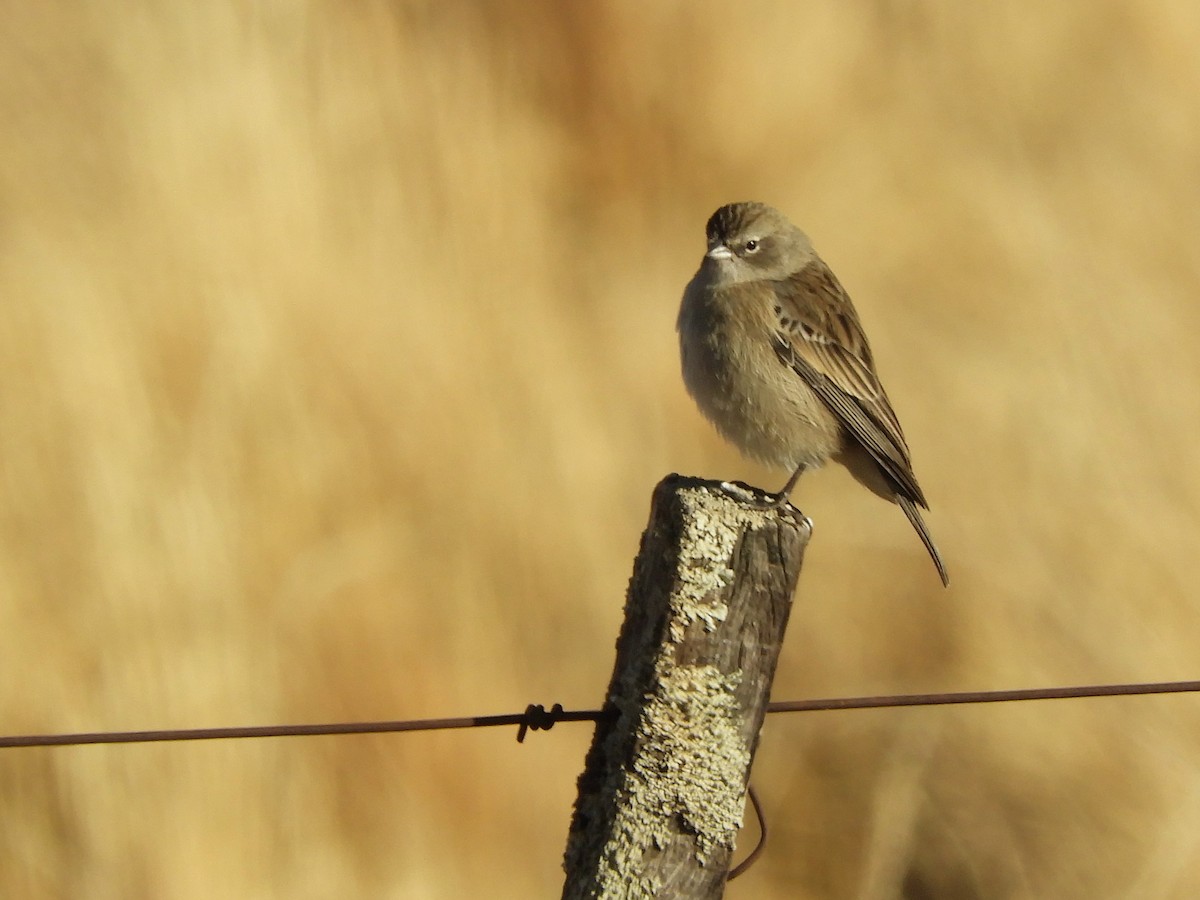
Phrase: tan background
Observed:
(338, 364)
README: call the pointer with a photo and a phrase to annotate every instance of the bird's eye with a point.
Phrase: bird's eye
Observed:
(751, 246)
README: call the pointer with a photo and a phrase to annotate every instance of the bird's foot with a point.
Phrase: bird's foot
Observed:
(760, 500)
(741, 493)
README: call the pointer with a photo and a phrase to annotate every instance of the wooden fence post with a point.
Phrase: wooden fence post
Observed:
(663, 789)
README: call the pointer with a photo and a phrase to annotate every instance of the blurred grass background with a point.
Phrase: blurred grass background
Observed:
(338, 365)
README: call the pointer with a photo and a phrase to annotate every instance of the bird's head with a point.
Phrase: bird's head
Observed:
(753, 242)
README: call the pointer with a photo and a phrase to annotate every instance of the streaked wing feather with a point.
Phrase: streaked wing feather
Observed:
(821, 339)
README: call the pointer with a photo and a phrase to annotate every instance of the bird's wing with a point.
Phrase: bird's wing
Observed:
(821, 339)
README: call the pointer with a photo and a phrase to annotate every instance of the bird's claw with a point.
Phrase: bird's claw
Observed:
(740, 493)
(776, 502)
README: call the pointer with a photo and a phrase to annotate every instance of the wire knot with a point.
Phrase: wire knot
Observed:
(538, 719)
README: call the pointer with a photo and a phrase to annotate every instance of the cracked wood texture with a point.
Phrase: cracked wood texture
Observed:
(663, 790)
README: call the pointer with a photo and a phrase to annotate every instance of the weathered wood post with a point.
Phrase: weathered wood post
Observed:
(663, 790)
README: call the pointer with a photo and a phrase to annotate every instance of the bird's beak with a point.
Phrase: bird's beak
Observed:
(720, 251)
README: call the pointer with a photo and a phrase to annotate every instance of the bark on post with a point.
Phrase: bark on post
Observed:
(663, 790)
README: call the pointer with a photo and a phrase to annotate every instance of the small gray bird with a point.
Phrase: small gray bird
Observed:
(774, 355)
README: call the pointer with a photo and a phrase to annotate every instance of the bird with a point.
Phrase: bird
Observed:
(775, 356)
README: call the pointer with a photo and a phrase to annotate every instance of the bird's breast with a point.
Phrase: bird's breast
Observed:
(732, 371)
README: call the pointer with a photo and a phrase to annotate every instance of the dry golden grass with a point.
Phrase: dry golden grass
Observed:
(338, 363)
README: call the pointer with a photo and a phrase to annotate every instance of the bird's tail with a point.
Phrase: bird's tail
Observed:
(914, 516)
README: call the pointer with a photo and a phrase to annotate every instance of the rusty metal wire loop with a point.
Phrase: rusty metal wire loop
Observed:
(740, 868)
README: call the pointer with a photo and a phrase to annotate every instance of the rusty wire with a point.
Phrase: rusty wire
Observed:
(538, 718)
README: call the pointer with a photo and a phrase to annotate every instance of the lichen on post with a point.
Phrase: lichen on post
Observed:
(661, 797)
